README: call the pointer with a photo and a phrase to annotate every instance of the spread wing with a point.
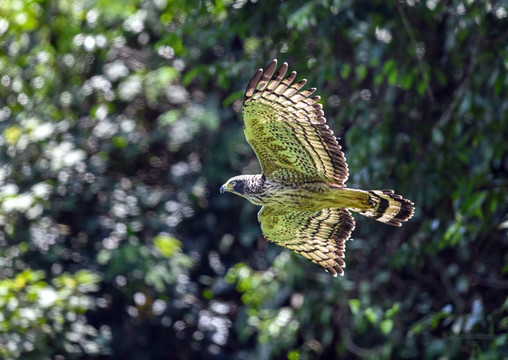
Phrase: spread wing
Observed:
(287, 130)
(319, 236)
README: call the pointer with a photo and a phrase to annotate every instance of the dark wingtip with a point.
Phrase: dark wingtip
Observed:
(336, 270)
(406, 211)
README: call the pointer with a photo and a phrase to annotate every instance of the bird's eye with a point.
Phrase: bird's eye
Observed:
(233, 183)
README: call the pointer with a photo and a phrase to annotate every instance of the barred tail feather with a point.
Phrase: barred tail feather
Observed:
(388, 208)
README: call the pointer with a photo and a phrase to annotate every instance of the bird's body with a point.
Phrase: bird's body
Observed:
(302, 186)
(304, 196)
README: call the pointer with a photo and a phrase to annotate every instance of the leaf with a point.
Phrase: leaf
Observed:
(345, 71)
(406, 81)
(392, 311)
(371, 315)
(388, 66)
(392, 77)
(473, 202)
(386, 326)
(208, 294)
(236, 95)
(354, 305)
(293, 355)
(361, 72)
(421, 88)
(12, 134)
(119, 142)
(168, 117)
(193, 73)
(167, 245)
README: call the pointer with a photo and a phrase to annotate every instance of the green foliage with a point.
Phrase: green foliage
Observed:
(119, 120)
(167, 245)
(272, 320)
(37, 316)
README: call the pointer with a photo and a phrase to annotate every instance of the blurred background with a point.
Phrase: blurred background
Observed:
(119, 121)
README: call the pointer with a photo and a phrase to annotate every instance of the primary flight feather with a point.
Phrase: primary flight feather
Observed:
(305, 201)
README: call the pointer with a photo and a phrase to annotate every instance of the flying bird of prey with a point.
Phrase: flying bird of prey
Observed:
(305, 202)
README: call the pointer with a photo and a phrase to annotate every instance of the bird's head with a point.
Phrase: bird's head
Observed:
(235, 185)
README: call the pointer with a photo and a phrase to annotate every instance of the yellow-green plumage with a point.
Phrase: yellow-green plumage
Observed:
(305, 201)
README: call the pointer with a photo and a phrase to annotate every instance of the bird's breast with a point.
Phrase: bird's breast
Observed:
(306, 196)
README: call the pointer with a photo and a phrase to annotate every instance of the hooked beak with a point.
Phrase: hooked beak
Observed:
(223, 189)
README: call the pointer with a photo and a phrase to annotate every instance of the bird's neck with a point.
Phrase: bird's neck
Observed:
(256, 184)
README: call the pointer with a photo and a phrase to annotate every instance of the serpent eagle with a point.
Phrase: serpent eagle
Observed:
(305, 202)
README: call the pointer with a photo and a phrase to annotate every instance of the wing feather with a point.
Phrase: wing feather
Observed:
(278, 77)
(251, 88)
(287, 129)
(285, 82)
(319, 236)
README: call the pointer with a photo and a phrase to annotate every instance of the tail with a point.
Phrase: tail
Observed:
(387, 207)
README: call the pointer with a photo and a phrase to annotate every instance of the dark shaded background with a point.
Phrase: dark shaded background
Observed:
(121, 119)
